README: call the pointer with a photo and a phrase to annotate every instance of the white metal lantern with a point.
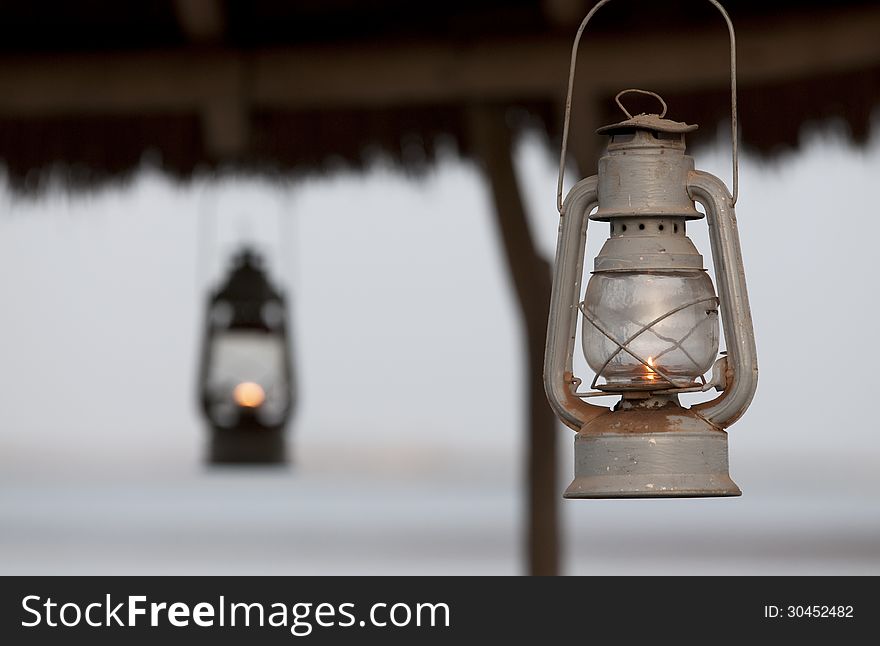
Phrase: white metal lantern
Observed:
(650, 327)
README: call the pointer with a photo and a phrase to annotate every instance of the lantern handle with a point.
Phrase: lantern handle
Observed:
(568, 98)
(633, 90)
(560, 384)
(739, 335)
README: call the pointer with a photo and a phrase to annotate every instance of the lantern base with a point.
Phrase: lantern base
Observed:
(247, 446)
(668, 452)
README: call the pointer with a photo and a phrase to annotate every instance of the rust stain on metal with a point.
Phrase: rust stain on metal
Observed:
(668, 419)
(576, 406)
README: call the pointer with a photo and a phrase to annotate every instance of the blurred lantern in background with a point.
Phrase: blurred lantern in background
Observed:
(650, 327)
(247, 377)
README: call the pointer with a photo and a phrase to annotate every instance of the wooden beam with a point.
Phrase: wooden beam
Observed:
(203, 21)
(141, 82)
(521, 69)
(381, 76)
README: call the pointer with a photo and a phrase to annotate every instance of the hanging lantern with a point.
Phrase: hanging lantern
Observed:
(650, 314)
(246, 381)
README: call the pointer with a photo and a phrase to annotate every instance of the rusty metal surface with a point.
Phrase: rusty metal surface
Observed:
(651, 452)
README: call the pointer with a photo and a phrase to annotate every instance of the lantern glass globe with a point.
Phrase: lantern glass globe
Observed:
(683, 344)
(247, 370)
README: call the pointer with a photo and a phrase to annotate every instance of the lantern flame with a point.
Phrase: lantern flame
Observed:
(249, 394)
(651, 374)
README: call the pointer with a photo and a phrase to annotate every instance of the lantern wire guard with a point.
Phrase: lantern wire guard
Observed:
(568, 99)
(623, 346)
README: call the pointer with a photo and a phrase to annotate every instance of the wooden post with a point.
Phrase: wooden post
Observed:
(530, 276)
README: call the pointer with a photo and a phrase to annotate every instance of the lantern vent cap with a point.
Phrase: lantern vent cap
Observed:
(651, 122)
(643, 121)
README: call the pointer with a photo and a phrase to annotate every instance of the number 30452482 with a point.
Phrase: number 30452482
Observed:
(820, 612)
